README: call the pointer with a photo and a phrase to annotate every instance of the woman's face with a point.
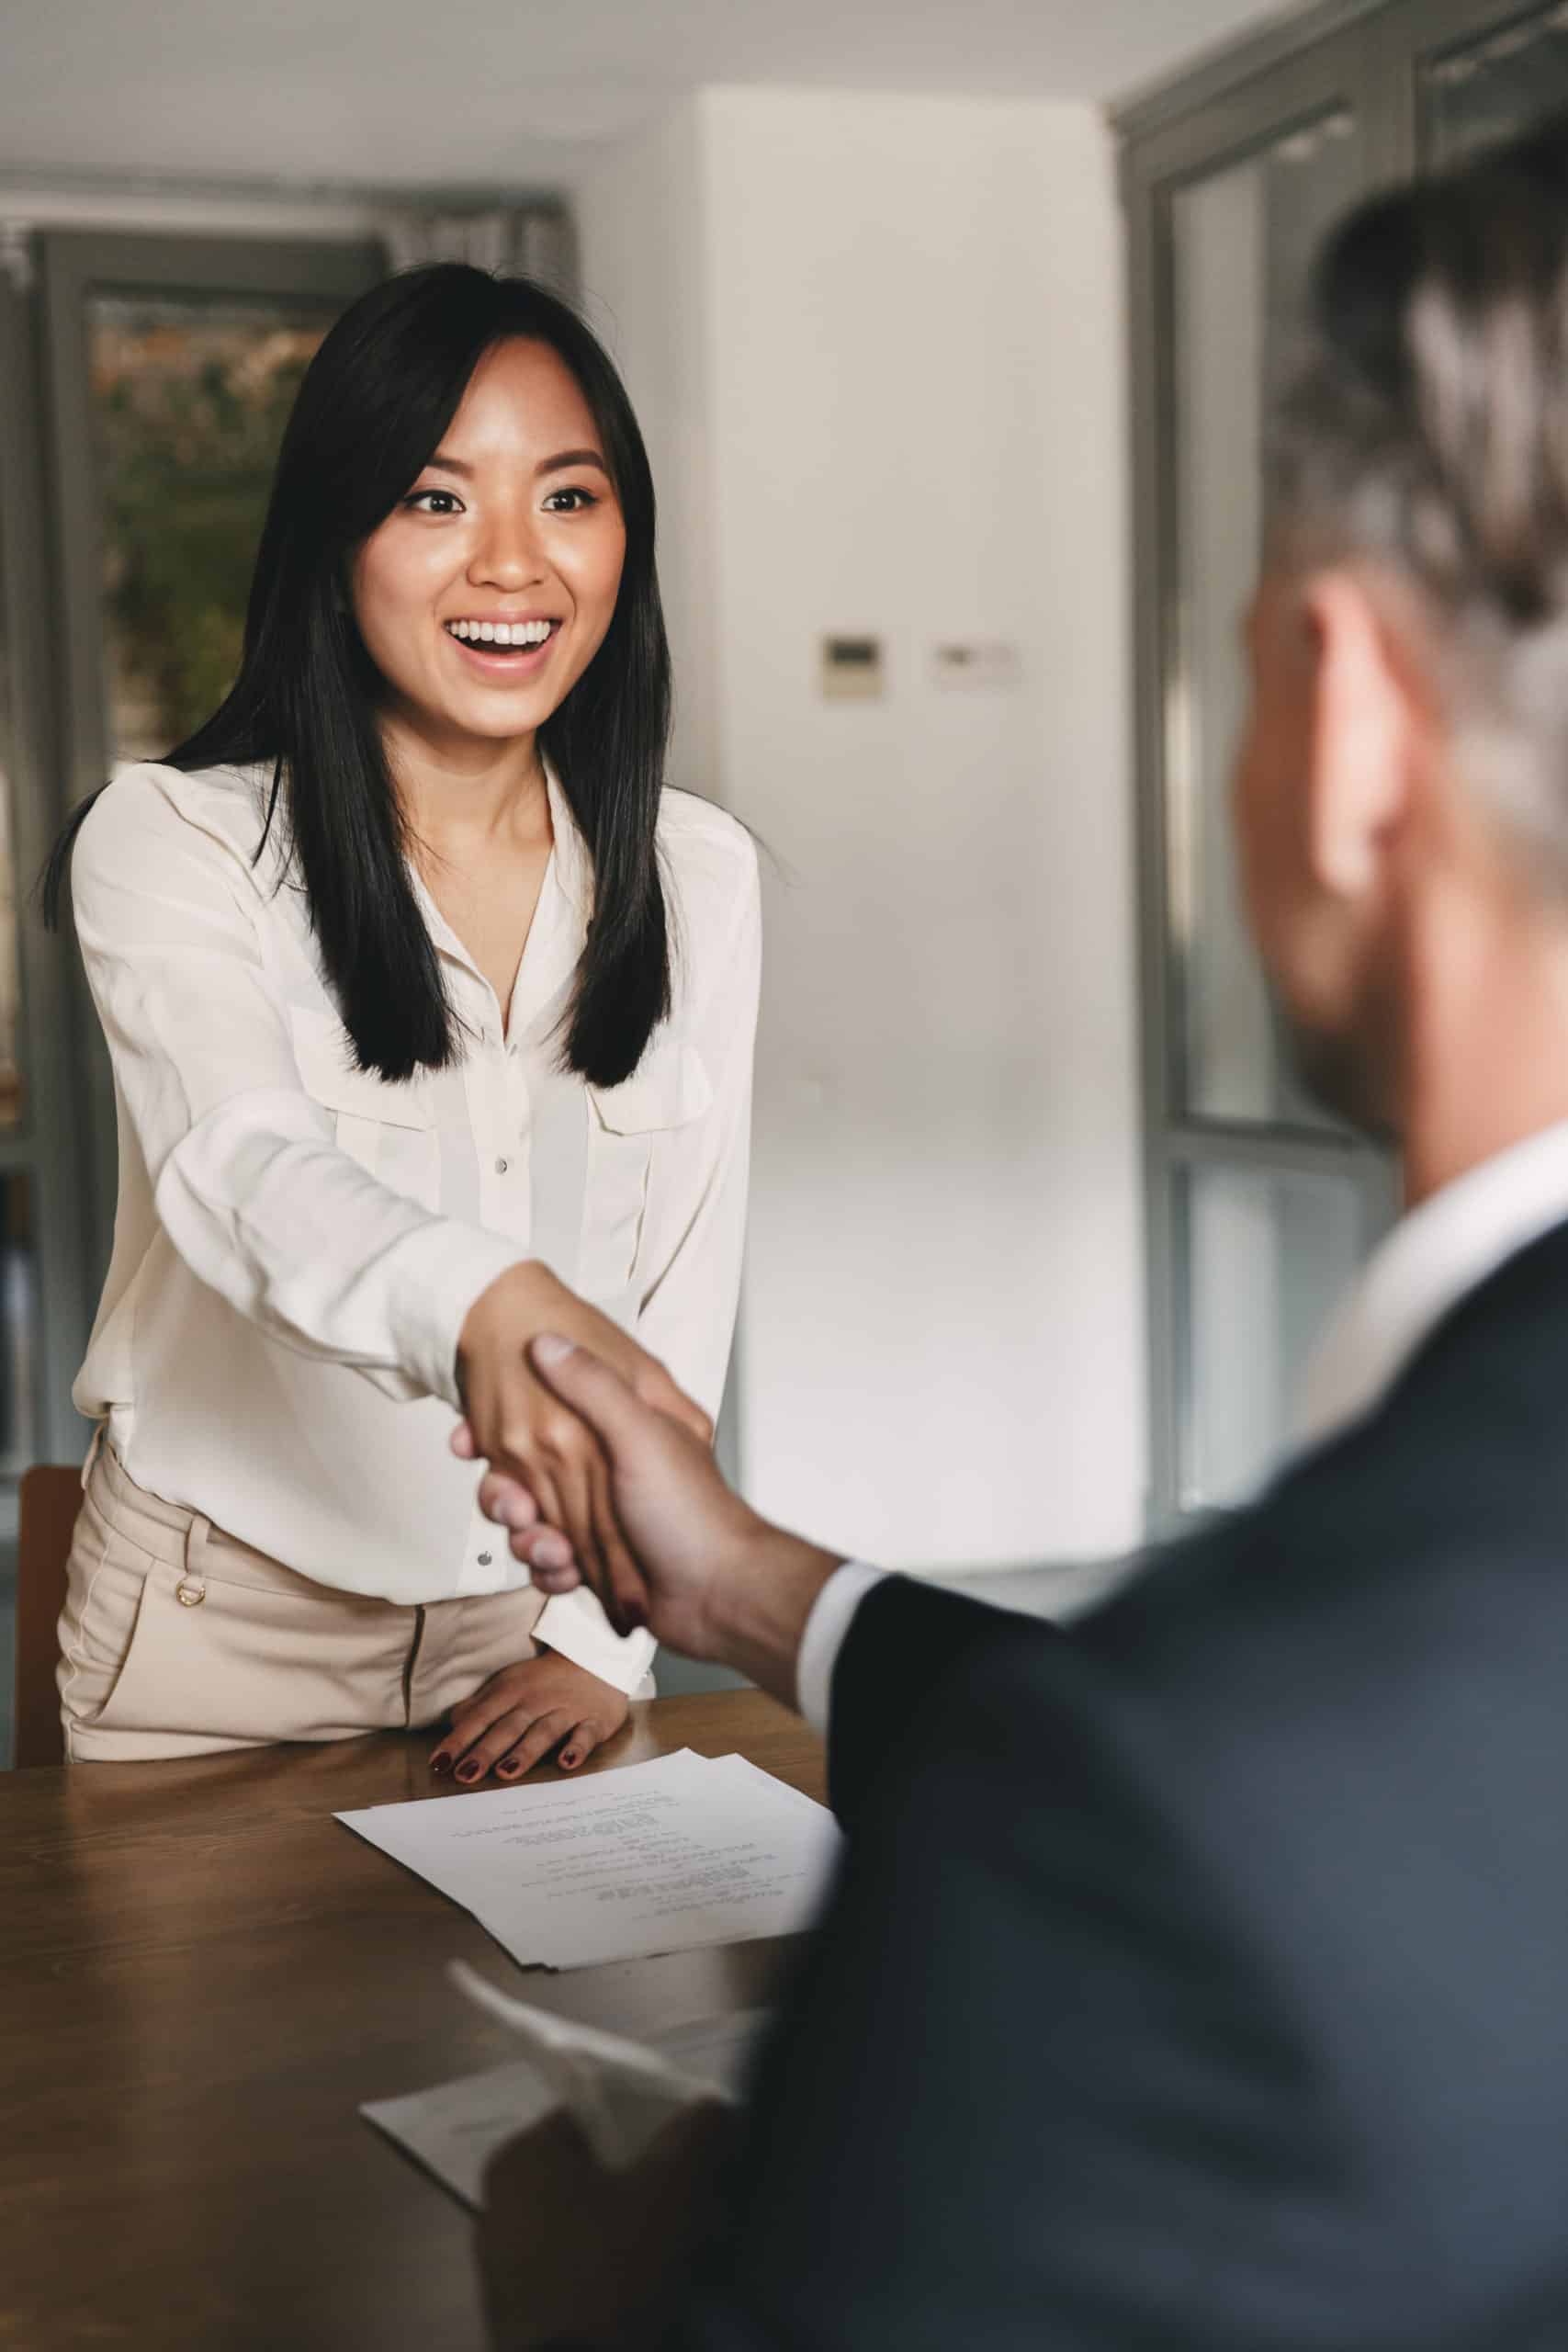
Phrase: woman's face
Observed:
(487, 592)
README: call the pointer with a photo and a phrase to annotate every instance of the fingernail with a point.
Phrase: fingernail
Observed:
(569, 1758)
(442, 1763)
(468, 1772)
(551, 1348)
(553, 1552)
(508, 1765)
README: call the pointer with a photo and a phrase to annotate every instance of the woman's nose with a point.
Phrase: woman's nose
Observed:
(508, 556)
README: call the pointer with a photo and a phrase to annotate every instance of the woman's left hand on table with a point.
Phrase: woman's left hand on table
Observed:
(513, 1721)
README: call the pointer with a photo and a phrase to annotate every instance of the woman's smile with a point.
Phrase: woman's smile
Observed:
(504, 650)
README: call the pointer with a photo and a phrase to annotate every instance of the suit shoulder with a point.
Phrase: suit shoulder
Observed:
(1347, 1620)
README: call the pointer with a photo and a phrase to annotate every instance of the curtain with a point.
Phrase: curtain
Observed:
(531, 240)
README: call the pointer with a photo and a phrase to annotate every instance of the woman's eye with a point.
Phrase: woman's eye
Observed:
(433, 502)
(580, 501)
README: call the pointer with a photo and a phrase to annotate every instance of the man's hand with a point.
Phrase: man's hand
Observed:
(515, 1718)
(721, 1582)
(570, 2253)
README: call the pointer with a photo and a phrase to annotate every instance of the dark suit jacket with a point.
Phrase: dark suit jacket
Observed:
(1200, 1980)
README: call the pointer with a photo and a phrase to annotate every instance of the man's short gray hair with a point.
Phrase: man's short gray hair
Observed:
(1427, 429)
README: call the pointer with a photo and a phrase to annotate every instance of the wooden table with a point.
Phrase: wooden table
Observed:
(202, 1974)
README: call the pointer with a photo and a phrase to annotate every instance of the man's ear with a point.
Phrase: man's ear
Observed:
(1365, 716)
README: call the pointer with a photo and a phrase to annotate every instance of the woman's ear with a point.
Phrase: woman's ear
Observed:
(1366, 718)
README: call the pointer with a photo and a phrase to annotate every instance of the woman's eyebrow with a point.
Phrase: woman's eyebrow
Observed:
(573, 458)
(442, 464)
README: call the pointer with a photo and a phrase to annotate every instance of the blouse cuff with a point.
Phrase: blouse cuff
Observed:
(575, 1626)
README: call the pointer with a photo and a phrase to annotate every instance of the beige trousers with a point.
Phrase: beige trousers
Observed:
(177, 1640)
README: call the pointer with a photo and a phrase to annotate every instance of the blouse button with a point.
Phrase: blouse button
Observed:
(485, 1558)
(500, 1166)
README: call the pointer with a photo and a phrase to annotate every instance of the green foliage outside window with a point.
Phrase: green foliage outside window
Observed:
(190, 415)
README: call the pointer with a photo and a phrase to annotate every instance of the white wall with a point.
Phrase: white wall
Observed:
(877, 343)
(642, 231)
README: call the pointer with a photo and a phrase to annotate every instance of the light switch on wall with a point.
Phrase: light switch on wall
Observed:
(853, 669)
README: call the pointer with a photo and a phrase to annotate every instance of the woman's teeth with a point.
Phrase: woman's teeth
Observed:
(500, 632)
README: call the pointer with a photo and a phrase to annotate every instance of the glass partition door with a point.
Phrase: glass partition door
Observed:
(1260, 1208)
(1477, 83)
(1260, 1205)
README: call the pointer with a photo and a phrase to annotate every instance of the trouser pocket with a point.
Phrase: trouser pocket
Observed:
(106, 1577)
(185, 1649)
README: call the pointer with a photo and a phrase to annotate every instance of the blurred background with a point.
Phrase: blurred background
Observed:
(950, 332)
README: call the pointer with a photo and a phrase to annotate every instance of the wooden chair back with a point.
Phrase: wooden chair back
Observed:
(51, 1497)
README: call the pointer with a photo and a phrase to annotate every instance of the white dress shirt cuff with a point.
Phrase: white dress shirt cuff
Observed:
(824, 1637)
(575, 1625)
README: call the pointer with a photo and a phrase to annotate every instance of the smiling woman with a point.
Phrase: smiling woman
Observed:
(408, 1072)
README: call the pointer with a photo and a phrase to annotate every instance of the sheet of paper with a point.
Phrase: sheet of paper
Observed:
(654, 1857)
(455, 2129)
(741, 1769)
(568, 2054)
(621, 2092)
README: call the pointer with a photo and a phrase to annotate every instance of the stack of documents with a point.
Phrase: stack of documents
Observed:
(622, 2093)
(654, 1857)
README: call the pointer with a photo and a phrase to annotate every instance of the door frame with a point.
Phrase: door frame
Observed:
(50, 1145)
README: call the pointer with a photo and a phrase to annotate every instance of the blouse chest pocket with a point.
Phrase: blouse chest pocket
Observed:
(386, 1128)
(668, 1090)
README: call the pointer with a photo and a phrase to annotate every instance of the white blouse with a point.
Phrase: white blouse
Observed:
(298, 1242)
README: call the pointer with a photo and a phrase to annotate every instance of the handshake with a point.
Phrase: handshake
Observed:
(669, 1546)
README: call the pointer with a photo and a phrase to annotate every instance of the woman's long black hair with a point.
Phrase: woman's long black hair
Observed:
(371, 411)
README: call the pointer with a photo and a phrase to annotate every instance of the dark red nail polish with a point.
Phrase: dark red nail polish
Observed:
(468, 1772)
(442, 1763)
(507, 1765)
(569, 1758)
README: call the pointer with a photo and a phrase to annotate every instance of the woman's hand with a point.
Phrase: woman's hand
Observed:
(525, 1711)
(522, 1431)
